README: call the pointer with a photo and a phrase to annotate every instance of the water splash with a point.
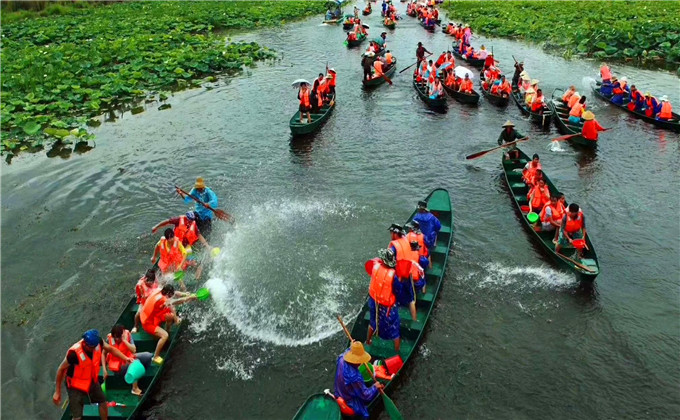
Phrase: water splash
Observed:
(556, 146)
(497, 276)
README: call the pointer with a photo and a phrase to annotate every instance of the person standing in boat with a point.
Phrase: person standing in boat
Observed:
(305, 97)
(420, 53)
(519, 68)
(384, 314)
(508, 135)
(429, 225)
(573, 226)
(206, 195)
(414, 234)
(121, 338)
(367, 65)
(315, 92)
(80, 368)
(349, 384)
(398, 243)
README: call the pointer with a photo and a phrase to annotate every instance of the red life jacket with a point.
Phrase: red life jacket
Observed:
(171, 255)
(530, 173)
(541, 196)
(466, 86)
(412, 236)
(567, 95)
(574, 225)
(378, 65)
(186, 232)
(380, 288)
(557, 213)
(666, 112)
(143, 291)
(116, 363)
(304, 98)
(153, 309)
(590, 129)
(87, 370)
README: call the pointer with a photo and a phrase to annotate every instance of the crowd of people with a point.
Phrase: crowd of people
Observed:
(321, 92)
(389, 12)
(427, 13)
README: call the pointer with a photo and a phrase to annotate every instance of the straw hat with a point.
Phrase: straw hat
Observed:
(648, 94)
(508, 123)
(588, 116)
(525, 77)
(523, 72)
(531, 90)
(483, 47)
(200, 184)
(664, 98)
(329, 76)
(356, 354)
(534, 81)
(572, 87)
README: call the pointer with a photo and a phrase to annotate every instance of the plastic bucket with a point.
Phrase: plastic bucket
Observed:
(134, 372)
(532, 217)
(579, 243)
(393, 364)
(364, 373)
(525, 208)
(203, 294)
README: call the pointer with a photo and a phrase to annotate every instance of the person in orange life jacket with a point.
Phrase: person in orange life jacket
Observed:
(652, 106)
(551, 215)
(441, 59)
(538, 196)
(577, 110)
(157, 309)
(573, 227)
(378, 66)
(524, 84)
(305, 97)
(404, 289)
(414, 234)
(186, 229)
(605, 73)
(172, 253)
(538, 104)
(508, 135)
(322, 94)
(350, 385)
(621, 92)
(573, 99)
(465, 84)
(146, 286)
(384, 315)
(315, 92)
(121, 339)
(529, 171)
(590, 127)
(80, 368)
(503, 88)
(666, 110)
(331, 85)
(389, 58)
(398, 242)
(436, 91)
(351, 36)
(489, 61)
(568, 94)
(637, 100)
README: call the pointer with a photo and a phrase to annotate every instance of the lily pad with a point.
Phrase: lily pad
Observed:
(31, 128)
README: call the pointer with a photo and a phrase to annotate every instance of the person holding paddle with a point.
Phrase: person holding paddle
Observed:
(509, 135)
(349, 383)
(207, 196)
(420, 53)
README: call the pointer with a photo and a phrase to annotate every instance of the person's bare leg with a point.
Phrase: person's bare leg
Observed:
(369, 338)
(136, 389)
(412, 308)
(103, 411)
(137, 321)
(163, 338)
(397, 344)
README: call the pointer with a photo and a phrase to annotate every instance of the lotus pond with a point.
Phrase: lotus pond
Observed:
(61, 70)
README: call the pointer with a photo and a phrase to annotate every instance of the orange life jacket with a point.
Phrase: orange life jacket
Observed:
(530, 173)
(87, 370)
(402, 247)
(378, 65)
(541, 196)
(572, 100)
(114, 362)
(154, 305)
(334, 76)
(574, 225)
(171, 255)
(304, 98)
(606, 73)
(556, 211)
(567, 95)
(590, 129)
(188, 231)
(143, 291)
(576, 110)
(666, 112)
(380, 288)
(321, 92)
(466, 86)
(412, 236)
(537, 103)
(388, 58)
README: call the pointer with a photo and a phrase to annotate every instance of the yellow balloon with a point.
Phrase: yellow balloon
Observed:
(215, 252)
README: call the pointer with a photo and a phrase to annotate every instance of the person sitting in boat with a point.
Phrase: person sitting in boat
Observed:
(459, 33)
(620, 92)
(529, 97)
(437, 90)
(524, 83)
(577, 110)
(534, 84)
(351, 392)
(637, 100)
(465, 84)
(652, 105)
(441, 59)
(329, 14)
(666, 110)
(368, 9)
(449, 28)
(414, 234)
(538, 196)
(450, 59)
(590, 126)
(304, 95)
(530, 169)
(509, 135)
(421, 72)
(519, 68)
(471, 54)
(435, 14)
(389, 58)
(568, 94)
(573, 99)
(573, 226)
(186, 230)
(381, 300)
(538, 104)
(351, 36)
(450, 79)
(429, 225)
(145, 287)
(378, 68)
(551, 215)
(121, 338)
(80, 368)
(489, 61)
(159, 309)
(388, 20)
(172, 253)
(502, 88)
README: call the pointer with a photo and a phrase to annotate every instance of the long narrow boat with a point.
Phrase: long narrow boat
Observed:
(348, 25)
(438, 103)
(429, 28)
(355, 43)
(474, 62)
(512, 168)
(390, 25)
(318, 406)
(117, 389)
(366, 12)
(673, 125)
(333, 21)
(462, 97)
(377, 81)
(497, 100)
(324, 113)
(564, 126)
(541, 118)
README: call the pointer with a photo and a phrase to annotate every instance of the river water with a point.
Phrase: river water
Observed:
(510, 337)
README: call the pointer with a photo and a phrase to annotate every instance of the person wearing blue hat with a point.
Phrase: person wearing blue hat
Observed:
(80, 368)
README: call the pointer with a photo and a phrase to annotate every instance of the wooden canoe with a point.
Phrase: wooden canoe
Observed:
(541, 118)
(438, 104)
(411, 332)
(390, 25)
(429, 28)
(355, 43)
(366, 12)
(116, 388)
(377, 81)
(333, 21)
(561, 113)
(298, 129)
(673, 125)
(463, 98)
(474, 62)
(512, 168)
(497, 100)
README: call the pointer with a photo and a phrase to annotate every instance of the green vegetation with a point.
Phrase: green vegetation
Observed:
(64, 65)
(639, 32)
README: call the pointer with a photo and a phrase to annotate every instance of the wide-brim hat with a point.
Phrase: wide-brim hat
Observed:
(534, 81)
(648, 94)
(370, 54)
(356, 354)
(200, 184)
(664, 98)
(332, 70)
(508, 123)
(395, 228)
(387, 257)
(329, 76)
(526, 77)
(588, 116)
(531, 90)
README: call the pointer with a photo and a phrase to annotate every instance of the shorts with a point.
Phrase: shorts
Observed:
(418, 285)
(547, 226)
(150, 327)
(574, 120)
(305, 108)
(77, 398)
(563, 240)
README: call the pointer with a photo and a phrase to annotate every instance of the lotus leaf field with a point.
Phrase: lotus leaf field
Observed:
(644, 33)
(60, 70)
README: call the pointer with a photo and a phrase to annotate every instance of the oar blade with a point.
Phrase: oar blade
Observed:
(391, 409)
(222, 215)
(476, 155)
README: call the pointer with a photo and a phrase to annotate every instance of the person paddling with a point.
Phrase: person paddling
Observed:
(508, 135)
(590, 127)
(350, 387)
(207, 196)
(420, 53)
(384, 315)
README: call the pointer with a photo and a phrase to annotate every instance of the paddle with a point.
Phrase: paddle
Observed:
(401, 71)
(569, 136)
(482, 153)
(575, 263)
(390, 407)
(221, 214)
(387, 79)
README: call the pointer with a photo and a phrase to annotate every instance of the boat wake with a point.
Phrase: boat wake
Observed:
(496, 275)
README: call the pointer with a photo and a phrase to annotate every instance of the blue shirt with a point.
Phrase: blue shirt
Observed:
(208, 197)
(349, 384)
(430, 226)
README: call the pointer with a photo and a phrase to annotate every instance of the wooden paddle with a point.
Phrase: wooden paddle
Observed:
(401, 71)
(221, 214)
(390, 407)
(569, 136)
(575, 263)
(387, 79)
(482, 153)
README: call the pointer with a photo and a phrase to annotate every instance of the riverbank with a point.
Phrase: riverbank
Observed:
(642, 34)
(64, 65)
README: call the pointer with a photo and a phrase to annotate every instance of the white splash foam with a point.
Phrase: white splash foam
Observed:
(245, 373)
(556, 146)
(498, 275)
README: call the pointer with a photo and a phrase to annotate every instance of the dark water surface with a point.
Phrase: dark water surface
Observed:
(510, 337)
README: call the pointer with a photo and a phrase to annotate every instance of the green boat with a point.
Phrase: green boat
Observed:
(333, 21)
(390, 25)
(541, 118)
(355, 43)
(298, 128)
(319, 406)
(462, 97)
(498, 100)
(438, 103)
(117, 389)
(564, 126)
(589, 266)
(377, 81)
